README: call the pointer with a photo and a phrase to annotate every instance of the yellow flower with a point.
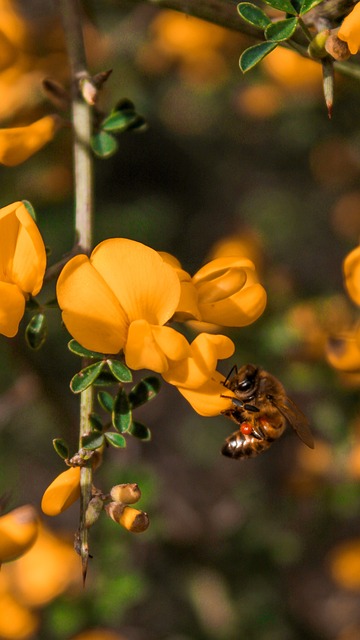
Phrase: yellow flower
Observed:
(120, 298)
(19, 143)
(18, 532)
(349, 31)
(22, 264)
(343, 351)
(352, 274)
(62, 492)
(206, 400)
(345, 564)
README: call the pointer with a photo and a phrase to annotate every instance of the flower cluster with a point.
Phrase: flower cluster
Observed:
(123, 296)
(343, 351)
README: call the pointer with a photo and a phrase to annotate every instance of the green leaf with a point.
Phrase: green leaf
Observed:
(105, 379)
(253, 14)
(119, 370)
(115, 439)
(96, 422)
(61, 448)
(86, 377)
(251, 56)
(140, 431)
(281, 30)
(92, 441)
(30, 209)
(307, 5)
(282, 5)
(144, 391)
(76, 348)
(119, 121)
(121, 416)
(36, 331)
(103, 144)
(105, 400)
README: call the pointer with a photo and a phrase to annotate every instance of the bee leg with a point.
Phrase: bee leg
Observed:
(258, 433)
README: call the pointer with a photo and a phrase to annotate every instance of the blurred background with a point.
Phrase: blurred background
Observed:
(265, 549)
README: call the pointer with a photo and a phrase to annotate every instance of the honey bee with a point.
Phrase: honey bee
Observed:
(261, 410)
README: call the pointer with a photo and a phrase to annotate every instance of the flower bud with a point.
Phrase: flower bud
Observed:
(93, 511)
(131, 519)
(128, 493)
(62, 492)
(18, 532)
(336, 48)
(317, 45)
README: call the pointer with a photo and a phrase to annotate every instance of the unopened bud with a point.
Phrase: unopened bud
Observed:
(317, 45)
(93, 511)
(128, 493)
(131, 519)
(337, 48)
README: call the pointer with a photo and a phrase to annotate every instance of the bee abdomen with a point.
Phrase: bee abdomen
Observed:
(240, 446)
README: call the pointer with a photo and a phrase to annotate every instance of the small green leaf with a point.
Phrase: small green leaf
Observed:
(144, 391)
(61, 448)
(253, 14)
(121, 416)
(307, 5)
(92, 441)
(281, 30)
(96, 422)
(251, 56)
(119, 370)
(139, 430)
(105, 400)
(119, 121)
(30, 209)
(86, 377)
(104, 144)
(36, 331)
(76, 348)
(115, 439)
(282, 5)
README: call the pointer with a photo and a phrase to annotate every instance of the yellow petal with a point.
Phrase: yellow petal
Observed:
(91, 312)
(207, 400)
(195, 370)
(146, 287)
(229, 293)
(12, 307)
(22, 250)
(187, 308)
(19, 143)
(16, 622)
(343, 352)
(150, 347)
(62, 492)
(18, 532)
(349, 31)
(351, 269)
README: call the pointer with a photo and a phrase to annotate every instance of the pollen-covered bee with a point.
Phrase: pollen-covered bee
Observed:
(261, 410)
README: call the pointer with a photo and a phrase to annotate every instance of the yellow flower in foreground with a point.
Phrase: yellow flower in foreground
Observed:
(62, 492)
(22, 264)
(352, 274)
(349, 31)
(120, 298)
(18, 532)
(19, 143)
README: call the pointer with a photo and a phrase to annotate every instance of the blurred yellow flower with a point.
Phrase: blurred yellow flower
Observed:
(18, 532)
(345, 564)
(62, 492)
(289, 69)
(22, 264)
(343, 351)
(352, 274)
(16, 621)
(349, 31)
(19, 143)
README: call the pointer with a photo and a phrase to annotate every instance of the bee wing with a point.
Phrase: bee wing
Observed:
(297, 420)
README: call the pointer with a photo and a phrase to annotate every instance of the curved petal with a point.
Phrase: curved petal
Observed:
(149, 347)
(29, 261)
(91, 312)
(62, 492)
(343, 352)
(12, 308)
(349, 31)
(19, 143)
(239, 310)
(146, 287)
(199, 367)
(207, 400)
(220, 266)
(351, 269)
